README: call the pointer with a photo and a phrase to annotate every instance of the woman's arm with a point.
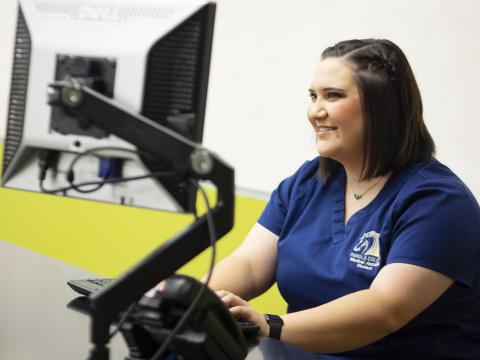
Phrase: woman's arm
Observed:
(250, 269)
(398, 294)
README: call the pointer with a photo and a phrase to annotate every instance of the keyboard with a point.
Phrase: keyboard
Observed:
(89, 286)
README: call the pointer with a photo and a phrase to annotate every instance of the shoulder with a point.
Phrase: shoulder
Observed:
(308, 172)
(435, 180)
(431, 190)
(298, 183)
(305, 174)
(436, 222)
(305, 178)
(284, 196)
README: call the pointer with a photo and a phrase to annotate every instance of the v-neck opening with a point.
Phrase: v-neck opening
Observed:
(339, 225)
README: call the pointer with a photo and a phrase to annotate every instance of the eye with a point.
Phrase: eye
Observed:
(312, 95)
(334, 95)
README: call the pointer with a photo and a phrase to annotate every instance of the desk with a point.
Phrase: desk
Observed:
(35, 323)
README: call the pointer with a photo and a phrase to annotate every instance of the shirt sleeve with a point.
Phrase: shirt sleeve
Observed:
(438, 228)
(275, 212)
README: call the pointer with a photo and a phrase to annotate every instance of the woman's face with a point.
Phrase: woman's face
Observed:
(335, 111)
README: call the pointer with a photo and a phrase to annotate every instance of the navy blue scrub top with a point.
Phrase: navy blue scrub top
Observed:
(424, 215)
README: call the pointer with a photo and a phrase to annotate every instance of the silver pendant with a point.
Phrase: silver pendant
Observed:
(357, 196)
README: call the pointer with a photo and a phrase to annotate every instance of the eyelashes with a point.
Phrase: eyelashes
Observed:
(334, 95)
(330, 95)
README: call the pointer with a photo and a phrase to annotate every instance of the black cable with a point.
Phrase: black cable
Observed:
(124, 318)
(105, 181)
(198, 297)
(195, 210)
(99, 183)
(77, 188)
(70, 172)
(100, 148)
(46, 159)
(187, 314)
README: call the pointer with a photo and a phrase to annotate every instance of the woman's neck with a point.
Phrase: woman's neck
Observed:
(354, 172)
(359, 194)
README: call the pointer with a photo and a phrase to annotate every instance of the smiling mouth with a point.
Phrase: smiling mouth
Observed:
(325, 130)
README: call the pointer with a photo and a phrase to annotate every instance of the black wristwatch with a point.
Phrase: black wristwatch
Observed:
(275, 322)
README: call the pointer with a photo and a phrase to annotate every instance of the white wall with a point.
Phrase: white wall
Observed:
(264, 55)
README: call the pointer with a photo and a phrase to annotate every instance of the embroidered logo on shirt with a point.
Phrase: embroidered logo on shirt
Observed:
(366, 253)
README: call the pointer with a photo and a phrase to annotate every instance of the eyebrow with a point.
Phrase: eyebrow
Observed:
(328, 89)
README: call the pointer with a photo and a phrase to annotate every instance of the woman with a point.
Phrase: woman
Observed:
(375, 245)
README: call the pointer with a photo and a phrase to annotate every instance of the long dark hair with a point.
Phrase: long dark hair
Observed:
(395, 133)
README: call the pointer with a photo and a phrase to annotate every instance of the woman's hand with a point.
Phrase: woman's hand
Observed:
(160, 286)
(241, 309)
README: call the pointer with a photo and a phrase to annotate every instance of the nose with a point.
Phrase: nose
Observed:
(322, 114)
(318, 112)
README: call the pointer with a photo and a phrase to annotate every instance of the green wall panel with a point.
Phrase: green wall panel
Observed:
(107, 239)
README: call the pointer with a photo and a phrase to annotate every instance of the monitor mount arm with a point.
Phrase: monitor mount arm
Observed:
(188, 160)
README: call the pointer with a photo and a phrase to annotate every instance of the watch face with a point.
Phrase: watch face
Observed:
(273, 319)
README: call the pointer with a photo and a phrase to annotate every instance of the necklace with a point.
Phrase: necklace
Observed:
(359, 196)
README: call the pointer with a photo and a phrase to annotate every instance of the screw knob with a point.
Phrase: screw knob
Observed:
(201, 161)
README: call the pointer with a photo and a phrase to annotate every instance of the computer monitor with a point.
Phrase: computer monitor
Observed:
(151, 56)
(128, 75)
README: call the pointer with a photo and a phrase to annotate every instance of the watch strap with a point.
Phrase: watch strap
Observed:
(275, 323)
